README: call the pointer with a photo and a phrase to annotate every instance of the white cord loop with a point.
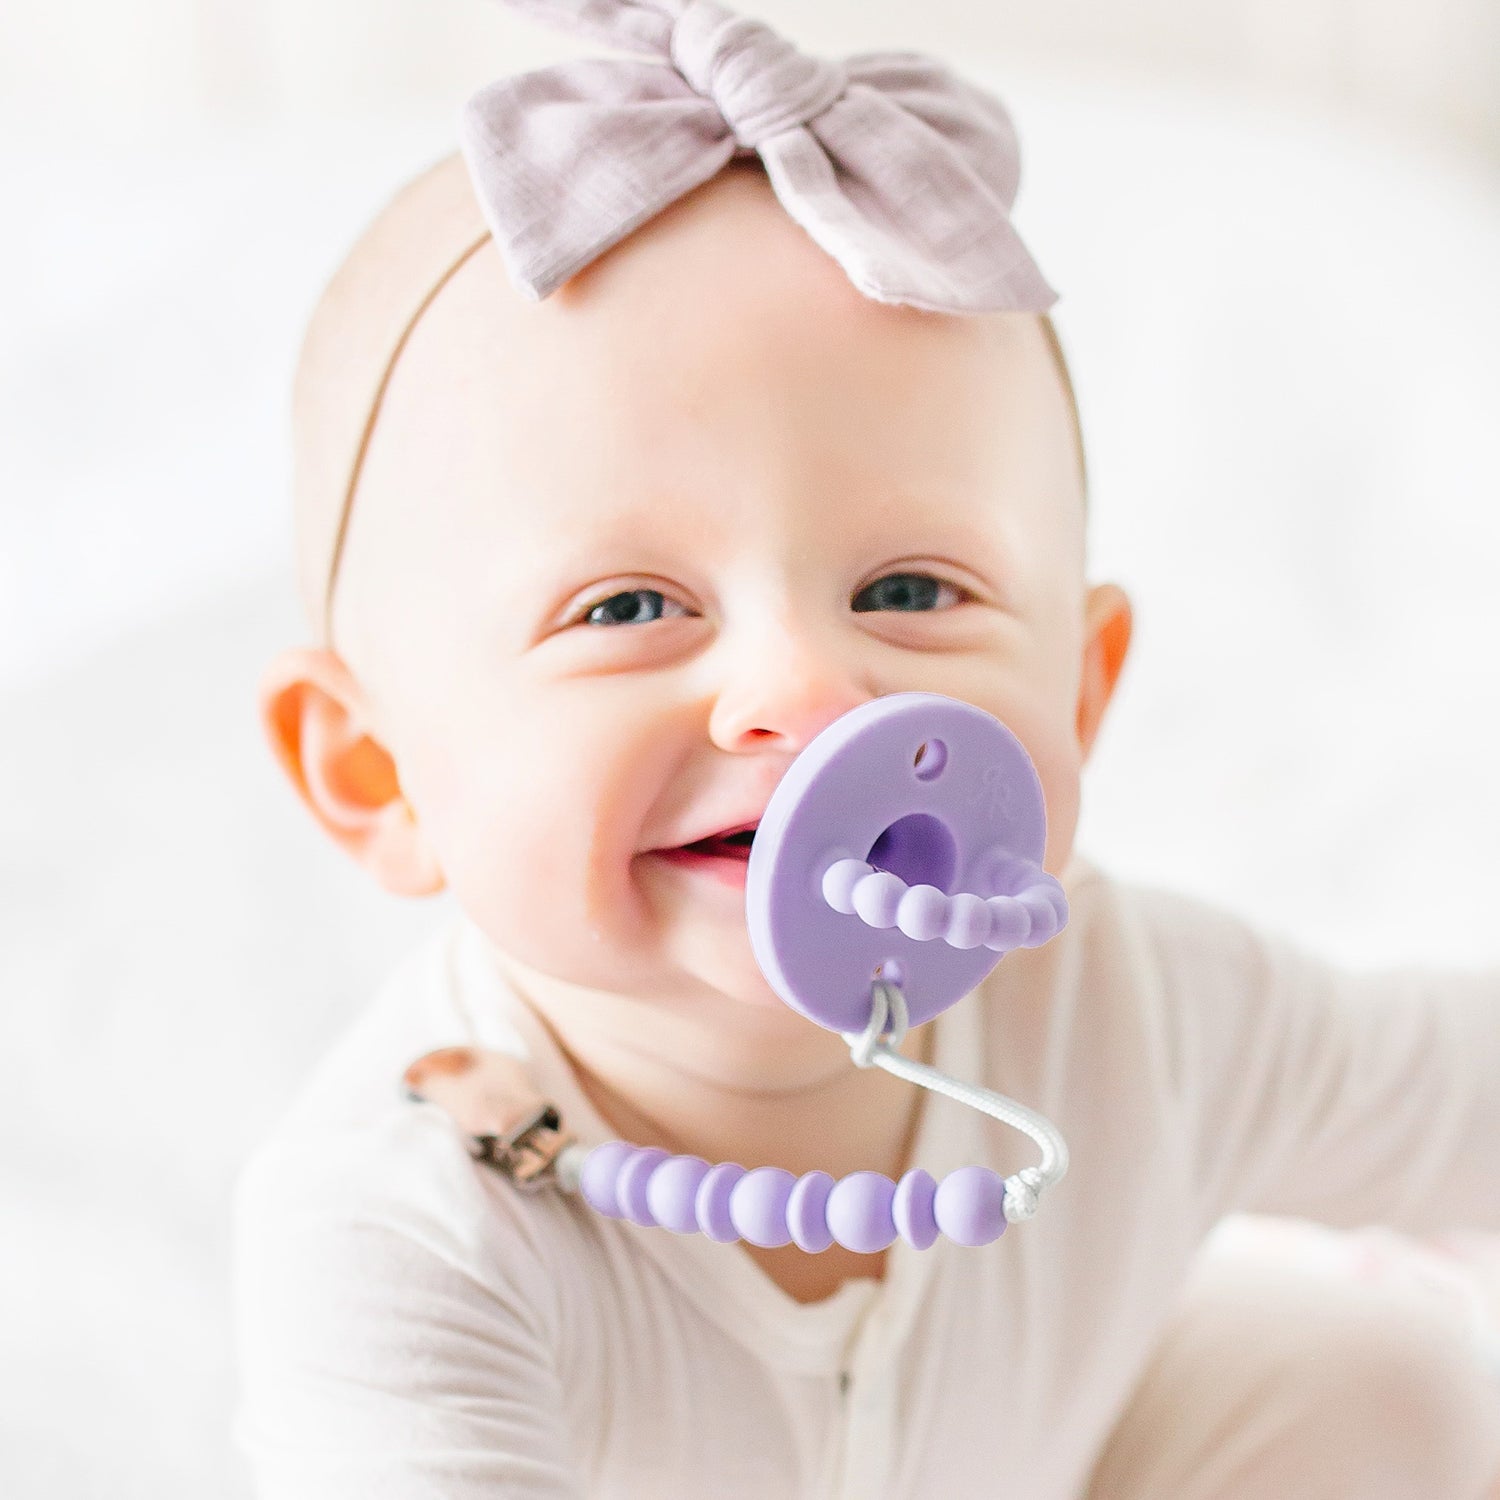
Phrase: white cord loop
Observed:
(887, 1003)
(1023, 1189)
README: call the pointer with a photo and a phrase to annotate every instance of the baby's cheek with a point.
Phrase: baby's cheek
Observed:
(524, 896)
(1062, 820)
(520, 844)
(481, 803)
(1059, 764)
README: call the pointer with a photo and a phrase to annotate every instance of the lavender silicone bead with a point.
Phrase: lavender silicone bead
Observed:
(877, 897)
(672, 1192)
(922, 913)
(601, 1168)
(757, 1206)
(1044, 924)
(968, 920)
(970, 1206)
(807, 1211)
(911, 1208)
(1010, 923)
(839, 881)
(630, 1185)
(1059, 899)
(711, 1205)
(859, 1212)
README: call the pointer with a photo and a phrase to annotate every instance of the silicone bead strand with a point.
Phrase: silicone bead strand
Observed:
(879, 898)
(768, 1206)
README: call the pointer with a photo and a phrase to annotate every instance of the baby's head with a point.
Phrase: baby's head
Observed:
(589, 572)
(617, 556)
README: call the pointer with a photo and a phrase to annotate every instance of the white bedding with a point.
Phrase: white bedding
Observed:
(1284, 337)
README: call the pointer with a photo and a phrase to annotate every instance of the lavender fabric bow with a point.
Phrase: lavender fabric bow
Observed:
(900, 170)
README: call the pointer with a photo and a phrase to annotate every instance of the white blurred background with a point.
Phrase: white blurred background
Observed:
(1276, 228)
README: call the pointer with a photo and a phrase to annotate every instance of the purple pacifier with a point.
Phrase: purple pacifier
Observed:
(899, 859)
(906, 842)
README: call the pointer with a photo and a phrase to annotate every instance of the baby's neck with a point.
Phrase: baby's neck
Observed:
(854, 1120)
(813, 1110)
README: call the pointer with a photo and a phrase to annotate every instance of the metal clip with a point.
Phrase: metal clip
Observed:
(508, 1125)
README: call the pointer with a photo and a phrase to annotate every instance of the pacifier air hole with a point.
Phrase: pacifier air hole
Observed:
(931, 757)
(918, 848)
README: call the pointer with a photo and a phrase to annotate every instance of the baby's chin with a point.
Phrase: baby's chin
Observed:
(714, 979)
(683, 967)
(699, 932)
(723, 965)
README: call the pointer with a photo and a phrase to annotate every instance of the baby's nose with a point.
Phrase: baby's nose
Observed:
(788, 691)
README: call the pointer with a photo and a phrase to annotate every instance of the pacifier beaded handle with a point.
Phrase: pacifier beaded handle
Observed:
(881, 899)
(898, 860)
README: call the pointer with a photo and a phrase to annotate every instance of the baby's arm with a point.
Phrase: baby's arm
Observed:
(1313, 1090)
(387, 1353)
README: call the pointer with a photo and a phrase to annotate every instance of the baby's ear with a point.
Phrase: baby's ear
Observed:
(313, 712)
(1108, 622)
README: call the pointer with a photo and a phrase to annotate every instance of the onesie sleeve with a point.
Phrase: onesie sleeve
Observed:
(1305, 1088)
(394, 1343)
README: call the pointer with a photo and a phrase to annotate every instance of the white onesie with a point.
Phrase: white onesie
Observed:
(412, 1327)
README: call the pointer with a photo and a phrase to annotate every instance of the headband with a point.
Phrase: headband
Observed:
(901, 171)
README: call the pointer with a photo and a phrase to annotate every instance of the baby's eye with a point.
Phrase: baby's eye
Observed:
(626, 608)
(908, 592)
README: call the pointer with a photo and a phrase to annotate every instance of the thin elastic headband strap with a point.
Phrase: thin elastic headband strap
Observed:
(354, 338)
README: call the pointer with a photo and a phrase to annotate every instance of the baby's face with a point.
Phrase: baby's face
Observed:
(617, 557)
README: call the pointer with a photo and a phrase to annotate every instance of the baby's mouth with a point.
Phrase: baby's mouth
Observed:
(725, 846)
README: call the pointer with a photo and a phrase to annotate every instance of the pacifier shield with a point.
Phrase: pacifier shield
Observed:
(931, 789)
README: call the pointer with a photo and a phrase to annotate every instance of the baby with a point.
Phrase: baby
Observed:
(587, 573)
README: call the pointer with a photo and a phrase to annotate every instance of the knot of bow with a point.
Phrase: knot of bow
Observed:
(903, 172)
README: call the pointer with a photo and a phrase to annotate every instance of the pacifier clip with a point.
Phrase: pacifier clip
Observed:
(899, 859)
